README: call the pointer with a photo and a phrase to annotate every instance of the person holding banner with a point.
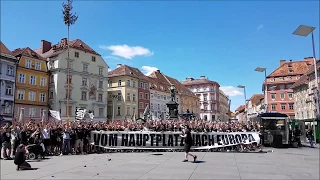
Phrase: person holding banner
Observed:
(187, 144)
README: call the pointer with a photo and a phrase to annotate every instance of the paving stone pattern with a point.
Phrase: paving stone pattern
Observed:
(302, 163)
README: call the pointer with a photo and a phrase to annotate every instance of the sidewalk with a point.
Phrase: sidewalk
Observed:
(306, 144)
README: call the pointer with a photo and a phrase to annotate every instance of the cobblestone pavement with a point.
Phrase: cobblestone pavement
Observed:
(302, 163)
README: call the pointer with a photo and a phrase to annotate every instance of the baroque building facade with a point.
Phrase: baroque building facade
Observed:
(87, 81)
(208, 93)
(7, 83)
(31, 92)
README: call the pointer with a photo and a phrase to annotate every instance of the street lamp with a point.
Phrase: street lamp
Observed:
(304, 30)
(245, 100)
(260, 69)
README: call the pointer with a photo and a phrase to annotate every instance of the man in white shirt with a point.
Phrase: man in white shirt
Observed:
(46, 139)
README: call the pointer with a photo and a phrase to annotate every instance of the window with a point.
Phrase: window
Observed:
(158, 96)
(69, 78)
(110, 83)
(147, 96)
(205, 98)
(32, 80)
(119, 111)
(119, 83)
(76, 54)
(9, 89)
(101, 113)
(42, 97)
(141, 85)
(70, 64)
(32, 112)
(22, 78)
(151, 95)
(289, 78)
(51, 79)
(10, 70)
(100, 97)
(32, 96)
(151, 105)
(133, 97)
(38, 66)
(133, 84)
(128, 82)
(146, 86)
(101, 84)
(165, 97)
(291, 107)
(84, 81)
(20, 94)
(133, 110)
(290, 95)
(43, 81)
(282, 95)
(161, 97)
(158, 106)
(83, 95)
(205, 107)
(283, 106)
(93, 59)
(85, 67)
(128, 97)
(128, 110)
(119, 96)
(273, 96)
(8, 107)
(28, 64)
(140, 105)
(282, 86)
(51, 95)
(100, 71)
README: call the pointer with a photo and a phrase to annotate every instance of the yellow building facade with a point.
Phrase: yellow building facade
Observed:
(190, 103)
(32, 79)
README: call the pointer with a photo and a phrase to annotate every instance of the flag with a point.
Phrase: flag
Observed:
(91, 115)
(146, 113)
(80, 113)
(133, 118)
(43, 115)
(55, 114)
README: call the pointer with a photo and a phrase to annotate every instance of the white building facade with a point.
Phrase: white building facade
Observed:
(208, 93)
(255, 105)
(158, 101)
(88, 78)
(7, 83)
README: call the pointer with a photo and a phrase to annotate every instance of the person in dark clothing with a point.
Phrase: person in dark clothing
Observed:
(297, 134)
(80, 136)
(20, 159)
(6, 143)
(310, 137)
(187, 144)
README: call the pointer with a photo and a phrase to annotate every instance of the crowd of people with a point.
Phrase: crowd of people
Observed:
(63, 138)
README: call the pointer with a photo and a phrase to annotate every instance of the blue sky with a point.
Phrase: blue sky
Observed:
(223, 40)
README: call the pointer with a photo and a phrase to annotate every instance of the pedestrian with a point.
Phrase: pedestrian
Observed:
(187, 144)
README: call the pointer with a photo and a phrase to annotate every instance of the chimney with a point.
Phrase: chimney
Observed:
(45, 46)
(158, 71)
(290, 60)
(119, 65)
(64, 42)
(282, 62)
(189, 79)
(202, 77)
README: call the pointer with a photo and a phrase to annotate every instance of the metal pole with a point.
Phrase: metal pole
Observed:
(317, 86)
(245, 104)
(266, 90)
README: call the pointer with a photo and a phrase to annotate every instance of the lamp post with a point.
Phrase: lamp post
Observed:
(304, 30)
(245, 101)
(260, 69)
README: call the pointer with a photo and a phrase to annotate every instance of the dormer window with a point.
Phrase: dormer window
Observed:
(290, 69)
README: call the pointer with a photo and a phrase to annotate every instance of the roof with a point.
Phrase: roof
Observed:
(256, 98)
(60, 48)
(298, 67)
(158, 86)
(5, 51)
(125, 70)
(305, 78)
(27, 52)
(180, 88)
(202, 80)
(240, 108)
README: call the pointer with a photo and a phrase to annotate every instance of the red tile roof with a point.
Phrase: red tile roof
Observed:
(28, 52)
(305, 78)
(240, 108)
(202, 80)
(125, 70)
(256, 98)
(61, 47)
(292, 68)
(4, 49)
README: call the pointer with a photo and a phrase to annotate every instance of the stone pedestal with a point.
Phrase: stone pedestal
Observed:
(173, 109)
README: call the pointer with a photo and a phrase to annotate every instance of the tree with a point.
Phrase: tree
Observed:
(69, 19)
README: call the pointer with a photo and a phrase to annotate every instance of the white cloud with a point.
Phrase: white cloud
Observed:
(127, 52)
(231, 91)
(260, 26)
(147, 70)
(111, 57)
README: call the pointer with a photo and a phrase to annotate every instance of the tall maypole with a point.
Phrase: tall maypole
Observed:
(69, 19)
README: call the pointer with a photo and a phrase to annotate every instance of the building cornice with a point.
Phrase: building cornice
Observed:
(84, 74)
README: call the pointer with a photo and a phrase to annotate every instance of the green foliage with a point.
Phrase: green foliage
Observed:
(69, 18)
